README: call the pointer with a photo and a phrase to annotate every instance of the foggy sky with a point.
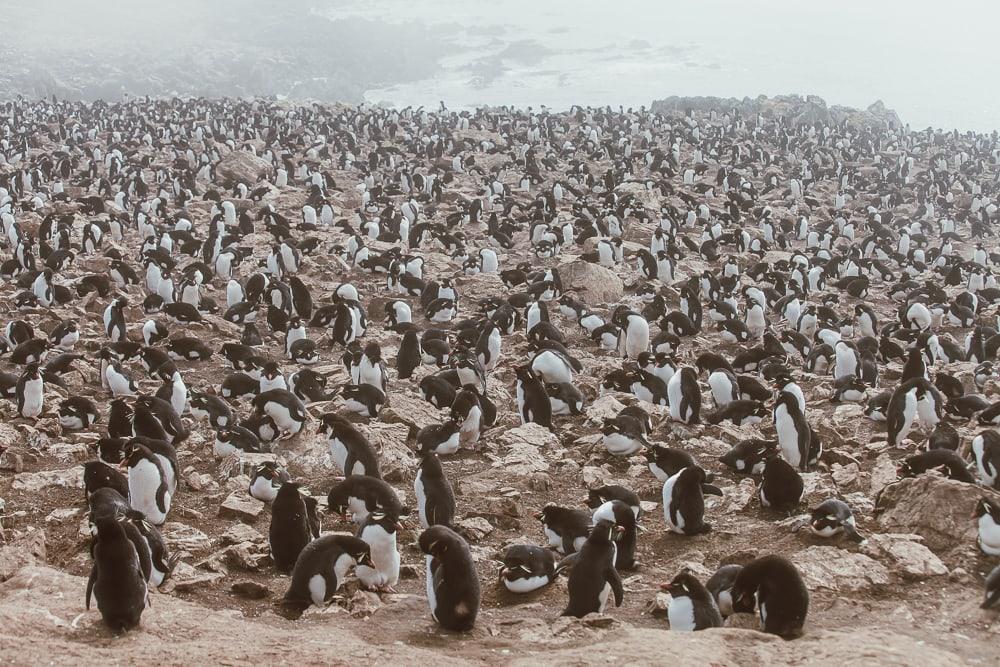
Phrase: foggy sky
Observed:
(933, 62)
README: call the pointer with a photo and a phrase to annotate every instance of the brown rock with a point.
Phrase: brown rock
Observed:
(250, 590)
(936, 508)
(242, 507)
(906, 554)
(242, 167)
(592, 283)
(25, 550)
(839, 570)
(474, 529)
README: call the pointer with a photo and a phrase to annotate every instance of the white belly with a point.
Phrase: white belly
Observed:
(680, 613)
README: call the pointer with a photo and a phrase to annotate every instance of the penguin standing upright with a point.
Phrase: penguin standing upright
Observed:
(772, 585)
(114, 319)
(379, 532)
(684, 502)
(624, 518)
(988, 517)
(116, 581)
(692, 606)
(30, 392)
(349, 448)
(532, 399)
(435, 497)
(290, 531)
(593, 576)
(452, 581)
(794, 434)
(409, 355)
(986, 452)
(684, 396)
(148, 488)
(322, 567)
(781, 486)
(635, 334)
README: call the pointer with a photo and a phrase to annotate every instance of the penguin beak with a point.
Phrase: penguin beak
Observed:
(537, 515)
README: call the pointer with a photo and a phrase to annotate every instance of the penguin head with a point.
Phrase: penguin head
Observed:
(681, 586)
(987, 506)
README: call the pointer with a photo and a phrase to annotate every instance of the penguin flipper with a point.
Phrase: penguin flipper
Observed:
(567, 544)
(90, 584)
(711, 489)
(616, 585)
(566, 563)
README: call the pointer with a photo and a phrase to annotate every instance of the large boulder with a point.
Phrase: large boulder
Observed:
(242, 167)
(938, 509)
(839, 570)
(592, 283)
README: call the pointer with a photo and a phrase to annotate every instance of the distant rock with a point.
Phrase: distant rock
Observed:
(241, 506)
(71, 478)
(242, 166)
(592, 283)
(938, 509)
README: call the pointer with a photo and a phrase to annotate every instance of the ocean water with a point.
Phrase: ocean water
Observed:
(934, 63)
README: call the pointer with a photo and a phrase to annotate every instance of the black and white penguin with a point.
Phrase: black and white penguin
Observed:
(684, 396)
(987, 514)
(114, 319)
(99, 475)
(371, 370)
(720, 585)
(235, 438)
(593, 576)
(532, 399)
(148, 488)
(443, 438)
(692, 606)
(774, 587)
(620, 513)
(833, 517)
(452, 582)
(526, 568)
(284, 407)
(793, 432)
(596, 498)
(565, 398)
(781, 488)
(684, 502)
(77, 413)
(117, 582)
(379, 532)
(566, 529)
(211, 407)
(749, 456)
(290, 529)
(986, 454)
(623, 435)
(915, 397)
(321, 568)
(409, 356)
(435, 497)
(992, 586)
(65, 335)
(30, 392)
(665, 462)
(349, 448)
(357, 496)
(266, 480)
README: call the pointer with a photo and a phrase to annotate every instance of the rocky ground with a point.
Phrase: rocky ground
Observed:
(909, 595)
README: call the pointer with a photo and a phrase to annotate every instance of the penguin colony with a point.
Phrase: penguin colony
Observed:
(751, 249)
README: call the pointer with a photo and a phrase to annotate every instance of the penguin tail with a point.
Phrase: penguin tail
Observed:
(853, 534)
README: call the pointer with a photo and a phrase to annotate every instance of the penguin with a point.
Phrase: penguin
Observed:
(621, 514)
(360, 495)
(30, 392)
(148, 490)
(623, 435)
(684, 396)
(114, 319)
(116, 581)
(773, 586)
(794, 434)
(596, 498)
(99, 475)
(78, 413)
(527, 568)
(266, 480)
(566, 529)
(349, 448)
(987, 515)
(593, 576)
(692, 607)
(635, 334)
(433, 491)
(453, 592)
(379, 533)
(986, 453)
(915, 397)
(321, 568)
(833, 517)
(992, 586)
(684, 502)
(443, 438)
(211, 407)
(230, 439)
(781, 487)
(65, 335)
(944, 436)
(290, 530)
(665, 462)
(749, 456)
(284, 407)
(565, 398)
(532, 399)
(720, 585)
(409, 356)
(943, 460)
(371, 369)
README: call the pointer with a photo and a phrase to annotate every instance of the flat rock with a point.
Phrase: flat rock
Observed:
(71, 478)
(906, 555)
(242, 507)
(474, 529)
(603, 407)
(839, 570)
(239, 533)
(180, 536)
(412, 410)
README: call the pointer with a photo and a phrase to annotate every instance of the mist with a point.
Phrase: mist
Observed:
(934, 68)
